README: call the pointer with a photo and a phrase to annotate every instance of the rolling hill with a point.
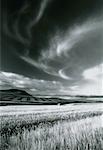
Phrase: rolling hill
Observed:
(20, 97)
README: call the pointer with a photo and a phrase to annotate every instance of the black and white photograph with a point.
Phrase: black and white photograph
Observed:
(51, 74)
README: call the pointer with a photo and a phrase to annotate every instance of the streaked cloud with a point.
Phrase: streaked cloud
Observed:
(48, 49)
(69, 52)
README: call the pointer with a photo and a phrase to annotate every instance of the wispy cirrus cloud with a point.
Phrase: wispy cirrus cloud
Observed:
(70, 52)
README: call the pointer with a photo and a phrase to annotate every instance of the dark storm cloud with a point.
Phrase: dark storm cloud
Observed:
(52, 39)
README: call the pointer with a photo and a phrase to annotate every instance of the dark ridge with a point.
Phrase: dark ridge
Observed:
(15, 91)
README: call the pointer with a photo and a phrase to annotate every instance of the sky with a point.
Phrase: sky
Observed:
(52, 47)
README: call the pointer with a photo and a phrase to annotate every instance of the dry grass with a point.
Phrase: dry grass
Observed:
(83, 134)
(15, 123)
(77, 127)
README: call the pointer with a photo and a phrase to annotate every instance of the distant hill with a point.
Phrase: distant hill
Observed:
(20, 97)
(14, 96)
(14, 91)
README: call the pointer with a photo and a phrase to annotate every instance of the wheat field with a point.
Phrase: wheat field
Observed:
(53, 131)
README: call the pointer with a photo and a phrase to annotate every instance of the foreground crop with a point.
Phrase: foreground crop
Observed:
(53, 130)
(85, 134)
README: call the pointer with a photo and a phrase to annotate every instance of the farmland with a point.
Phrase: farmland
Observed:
(67, 127)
